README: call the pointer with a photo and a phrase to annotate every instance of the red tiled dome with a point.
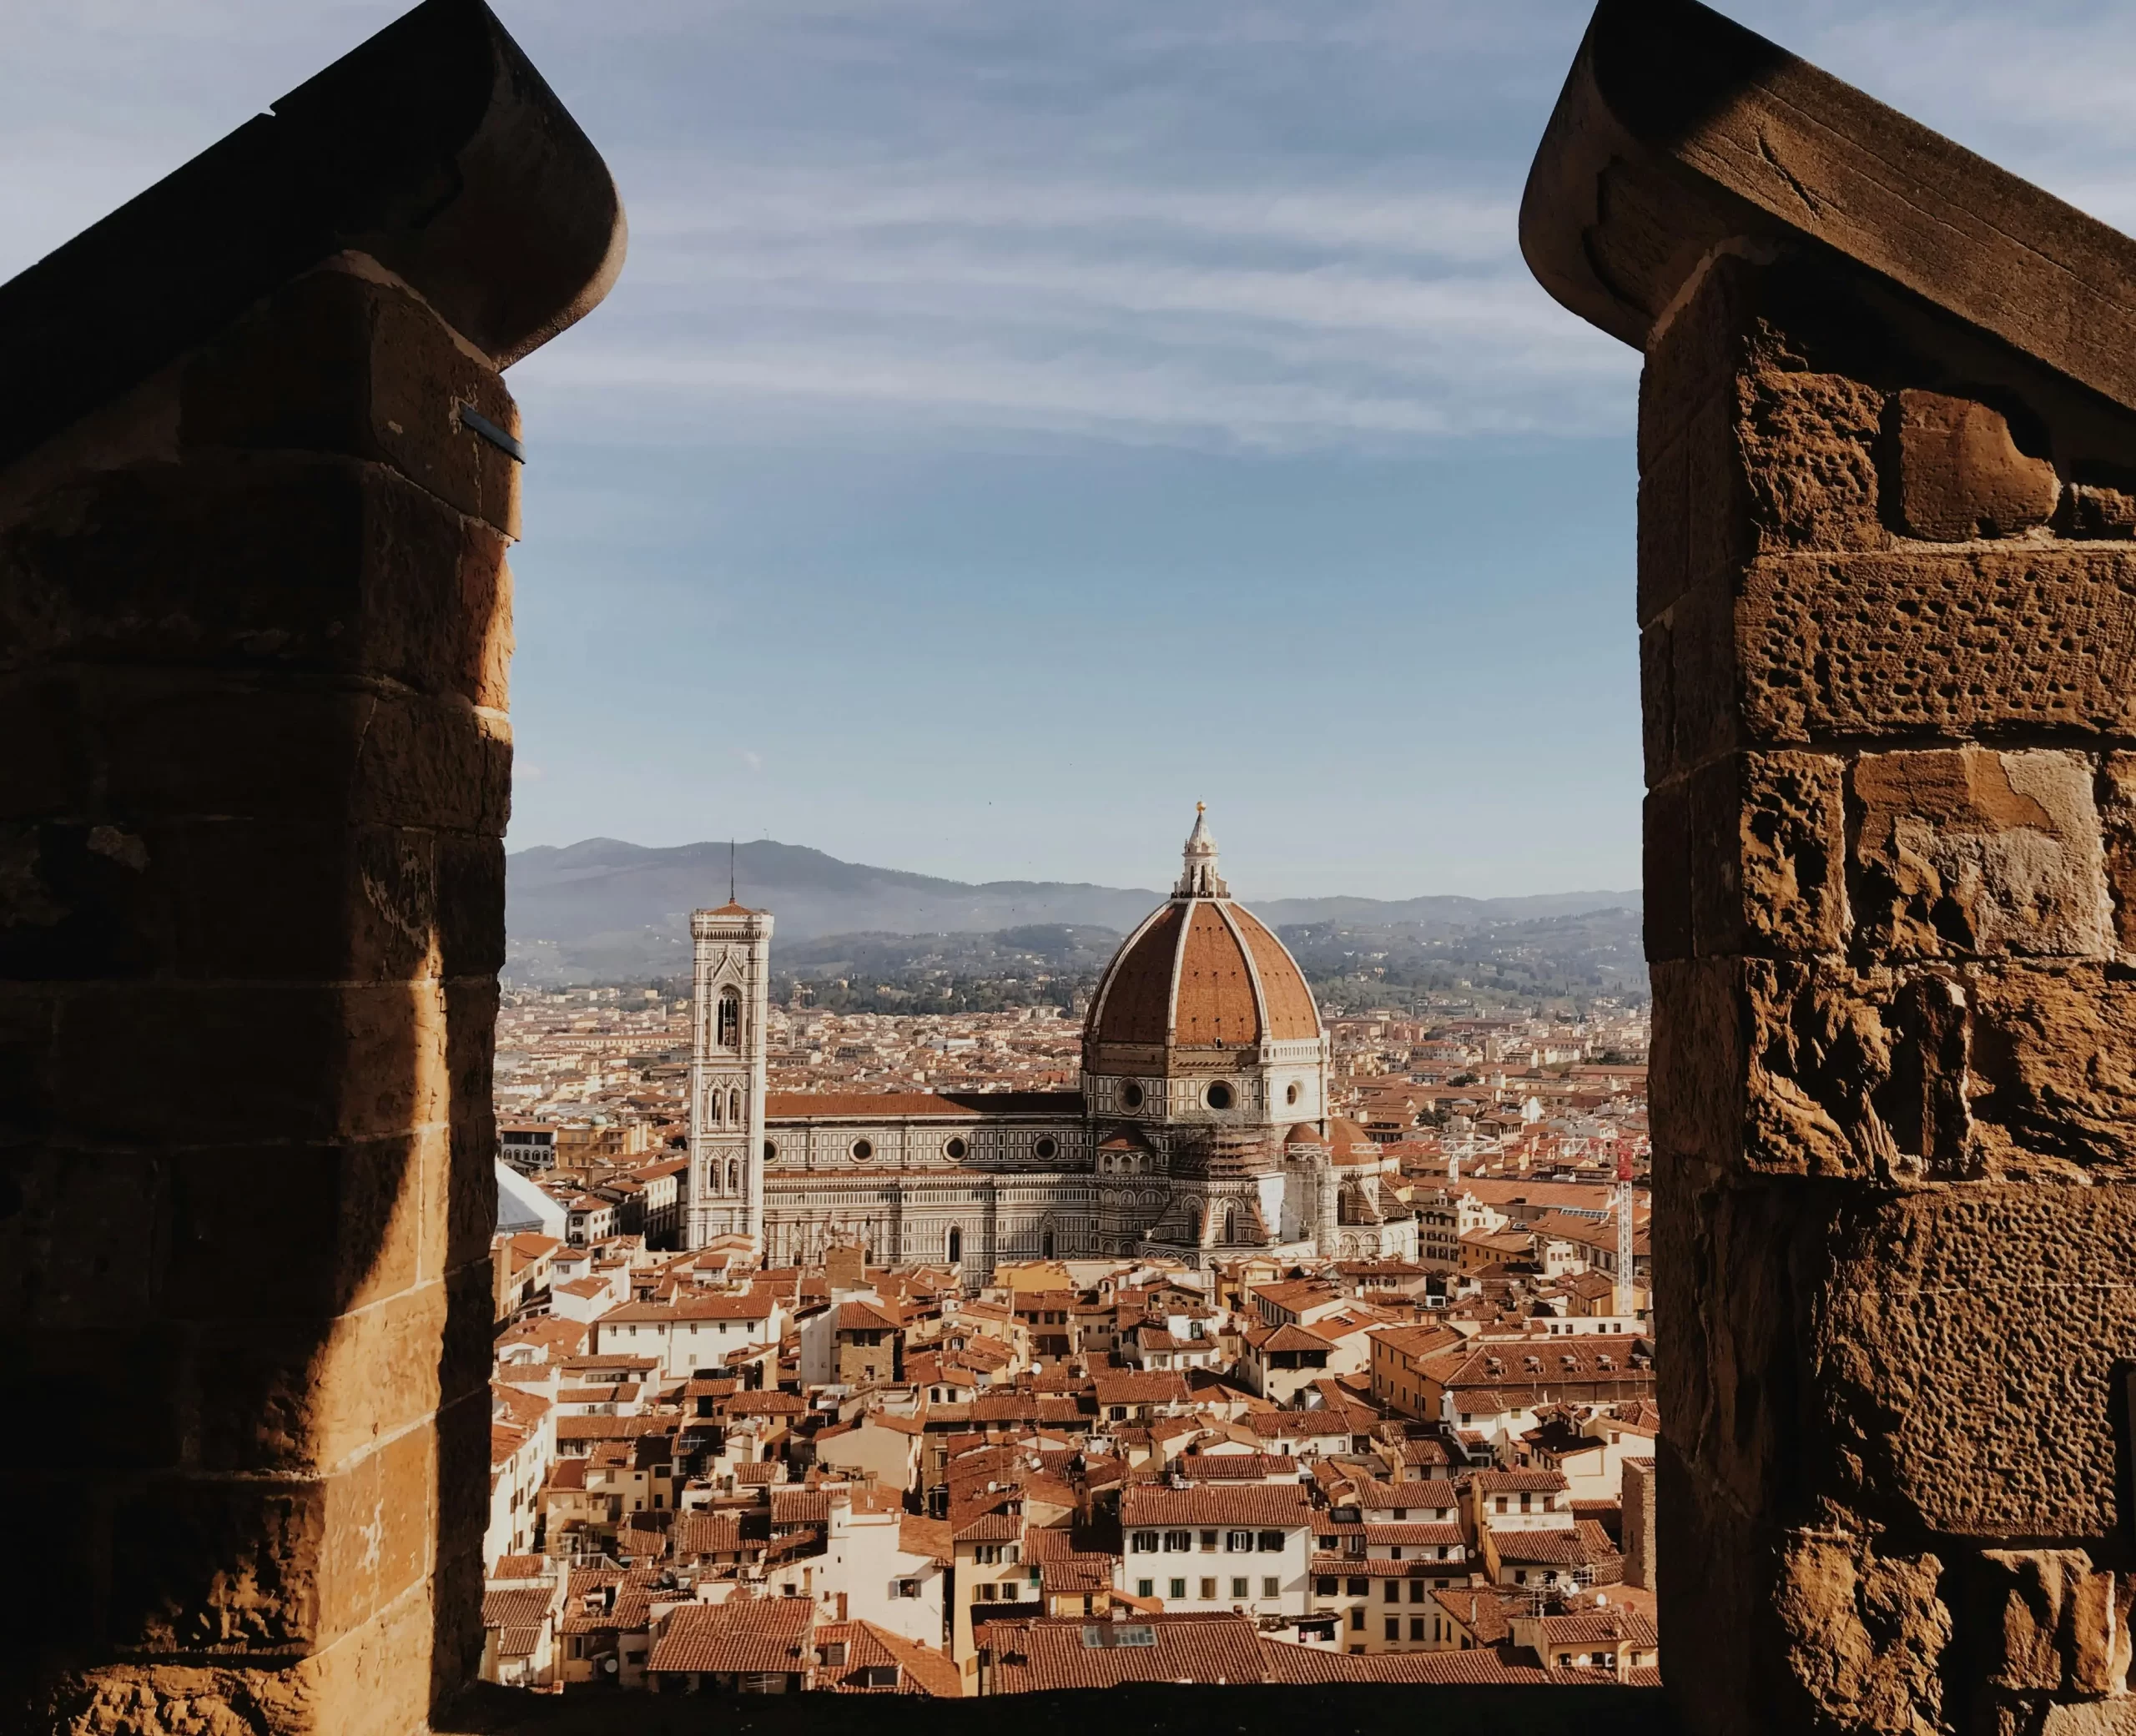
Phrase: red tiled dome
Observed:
(1202, 973)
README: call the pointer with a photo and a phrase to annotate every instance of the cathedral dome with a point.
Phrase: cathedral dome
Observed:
(1201, 971)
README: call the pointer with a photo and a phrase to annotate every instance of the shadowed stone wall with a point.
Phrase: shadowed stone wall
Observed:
(255, 621)
(1887, 599)
(254, 632)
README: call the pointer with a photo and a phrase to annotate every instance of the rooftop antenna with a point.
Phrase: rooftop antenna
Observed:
(730, 870)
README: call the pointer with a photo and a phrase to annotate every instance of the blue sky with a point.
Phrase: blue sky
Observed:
(1017, 422)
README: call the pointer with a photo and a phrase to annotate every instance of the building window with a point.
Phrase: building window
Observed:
(956, 1244)
(1230, 1226)
(1045, 1149)
(1208, 1542)
(1219, 1096)
(1046, 1245)
(863, 1150)
(1145, 1542)
(734, 1178)
(1356, 1621)
(1416, 1591)
(1179, 1588)
(1271, 1542)
(1416, 1627)
(1178, 1542)
(1208, 1591)
(1238, 1586)
(1236, 1542)
(1393, 1628)
(734, 1105)
(771, 1152)
(1130, 1093)
(1391, 1589)
(1359, 1588)
(1324, 1587)
(954, 1149)
(729, 1032)
(1271, 1586)
(1146, 1588)
(1291, 1094)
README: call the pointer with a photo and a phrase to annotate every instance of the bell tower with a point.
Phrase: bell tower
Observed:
(730, 983)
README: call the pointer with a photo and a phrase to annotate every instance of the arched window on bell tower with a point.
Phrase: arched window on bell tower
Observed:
(734, 1107)
(1230, 1226)
(728, 1031)
(956, 1244)
(713, 1108)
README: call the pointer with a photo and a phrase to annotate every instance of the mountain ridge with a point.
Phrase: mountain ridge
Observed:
(626, 906)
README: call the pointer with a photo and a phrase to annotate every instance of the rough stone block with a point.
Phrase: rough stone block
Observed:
(296, 1231)
(378, 1530)
(1698, 689)
(471, 904)
(2099, 1638)
(1697, 1069)
(230, 1566)
(2011, 1070)
(1960, 474)
(1720, 533)
(1667, 871)
(313, 1397)
(270, 901)
(1865, 1630)
(1934, 641)
(2007, 1306)
(1966, 851)
(346, 359)
(2089, 510)
(1767, 841)
(1808, 443)
(77, 900)
(2025, 1597)
(45, 771)
(223, 1064)
(273, 565)
(2116, 804)
(29, 1034)
(1664, 520)
(1657, 682)
(91, 1235)
(124, 1389)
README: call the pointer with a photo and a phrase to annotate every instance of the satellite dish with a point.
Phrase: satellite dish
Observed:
(608, 1664)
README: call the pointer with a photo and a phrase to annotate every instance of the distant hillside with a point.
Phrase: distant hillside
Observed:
(606, 910)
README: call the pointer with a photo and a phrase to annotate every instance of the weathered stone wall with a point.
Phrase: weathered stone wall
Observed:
(254, 626)
(1887, 604)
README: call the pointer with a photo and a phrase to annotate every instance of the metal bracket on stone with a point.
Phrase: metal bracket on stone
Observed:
(475, 422)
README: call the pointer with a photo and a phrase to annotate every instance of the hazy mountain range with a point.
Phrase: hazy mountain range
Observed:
(604, 908)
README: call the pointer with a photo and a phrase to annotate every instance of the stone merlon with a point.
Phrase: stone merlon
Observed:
(1679, 135)
(435, 148)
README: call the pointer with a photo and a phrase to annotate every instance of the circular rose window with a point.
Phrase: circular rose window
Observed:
(1290, 1095)
(1130, 1093)
(1219, 1096)
(1045, 1148)
(954, 1149)
(863, 1150)
(771, 1151)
